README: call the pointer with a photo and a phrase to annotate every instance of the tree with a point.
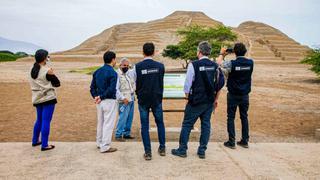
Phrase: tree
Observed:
(10, 56)
(313, 58)
(186, 49)
(7, 52)
(21, 54)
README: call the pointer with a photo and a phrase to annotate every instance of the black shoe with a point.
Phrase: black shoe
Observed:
(50, 147)
(147, 156)
(177, 152)
(162, 151)
(120, 139)
(128, 137)
(202, 156)
(229, 144)
(243, 144)
(36, 144)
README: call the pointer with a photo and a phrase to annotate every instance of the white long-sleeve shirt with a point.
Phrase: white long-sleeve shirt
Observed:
(119, 96)
(133, 73)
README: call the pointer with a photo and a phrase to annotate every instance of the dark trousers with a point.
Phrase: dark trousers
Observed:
(144, 119)
(233, 102)
(191, 114)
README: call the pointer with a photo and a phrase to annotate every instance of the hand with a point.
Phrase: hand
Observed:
(97, 100)
(125, 101)
(215, 105)
(50, 71)
(223, 51)
(187, 100)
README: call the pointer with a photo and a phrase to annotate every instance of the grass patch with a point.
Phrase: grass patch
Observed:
(88, 70)
(9, 56)
(173, 87)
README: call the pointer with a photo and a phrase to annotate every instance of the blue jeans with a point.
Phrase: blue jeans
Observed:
(233, 102)
(125, 119)
(144, 119)
(42, 124)
(191, 114)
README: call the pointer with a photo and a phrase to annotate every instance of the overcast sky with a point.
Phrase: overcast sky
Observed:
(62, 24)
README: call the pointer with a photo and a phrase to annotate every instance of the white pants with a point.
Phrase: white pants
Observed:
(106, 116)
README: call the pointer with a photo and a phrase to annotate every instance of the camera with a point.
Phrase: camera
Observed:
(229, 50)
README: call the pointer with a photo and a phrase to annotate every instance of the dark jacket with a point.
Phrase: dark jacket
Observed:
(204, 86)
(149, 83)
(104, 83)
(239, 79)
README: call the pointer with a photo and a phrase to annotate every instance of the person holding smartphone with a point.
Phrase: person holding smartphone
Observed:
(43, 82)
(239, 72)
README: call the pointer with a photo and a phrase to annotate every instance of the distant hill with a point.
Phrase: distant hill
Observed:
(265, 42)
(17, 46)
(127, 39)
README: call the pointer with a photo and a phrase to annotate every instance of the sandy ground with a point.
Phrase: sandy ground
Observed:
(285, 105)
(83, 161)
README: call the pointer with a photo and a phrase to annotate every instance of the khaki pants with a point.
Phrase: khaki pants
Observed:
(106, 116)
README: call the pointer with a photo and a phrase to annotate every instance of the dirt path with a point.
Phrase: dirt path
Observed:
(83, 161)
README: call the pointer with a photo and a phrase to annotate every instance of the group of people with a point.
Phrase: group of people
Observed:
(114, 92)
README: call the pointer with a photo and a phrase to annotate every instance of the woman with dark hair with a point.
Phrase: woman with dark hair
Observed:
(43, 83)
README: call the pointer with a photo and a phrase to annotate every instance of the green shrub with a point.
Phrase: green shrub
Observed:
(21, 54)
(8, 57)
(6, 52)
(313, 58)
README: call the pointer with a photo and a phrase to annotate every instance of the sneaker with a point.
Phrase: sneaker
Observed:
(128, 137)
(162, 151)
(120, 139)
(229, 144)
(147, 156)
(202, 156)
(110, 150)
(177, 152)
(243, 144)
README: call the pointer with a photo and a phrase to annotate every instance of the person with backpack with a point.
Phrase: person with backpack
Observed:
(239, 73)
(203, 83)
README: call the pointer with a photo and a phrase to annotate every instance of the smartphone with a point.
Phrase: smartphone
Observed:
(229, 50)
